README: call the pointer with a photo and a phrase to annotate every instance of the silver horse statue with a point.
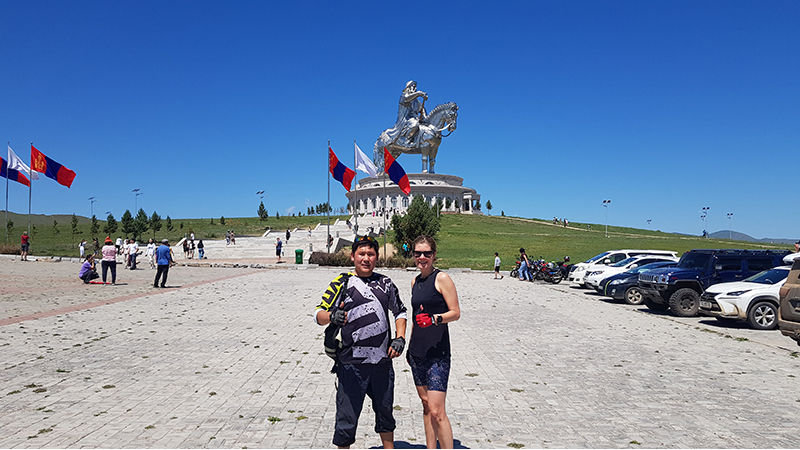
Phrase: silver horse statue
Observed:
(417, 132)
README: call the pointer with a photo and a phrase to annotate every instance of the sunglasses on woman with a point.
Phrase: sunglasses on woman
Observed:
(427, 254)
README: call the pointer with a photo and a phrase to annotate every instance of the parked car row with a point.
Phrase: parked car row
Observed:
(761, 287)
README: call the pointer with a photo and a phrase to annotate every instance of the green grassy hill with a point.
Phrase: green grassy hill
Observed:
(470, 241)
(463, 241)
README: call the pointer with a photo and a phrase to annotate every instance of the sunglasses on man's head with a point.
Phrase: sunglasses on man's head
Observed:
(427, 254)
(365, 238)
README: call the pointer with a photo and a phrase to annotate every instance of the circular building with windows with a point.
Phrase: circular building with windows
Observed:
(370, 195)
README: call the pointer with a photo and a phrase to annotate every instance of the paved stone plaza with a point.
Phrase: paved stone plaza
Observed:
(230, 358)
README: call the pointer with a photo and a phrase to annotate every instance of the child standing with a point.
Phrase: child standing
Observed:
(497, 266)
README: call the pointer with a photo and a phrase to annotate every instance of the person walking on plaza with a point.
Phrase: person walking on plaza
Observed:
(109, 260)
(24, 246)
(497, 266)
(364, 365)
(201, 249)
(133, 252)
(288, 235)
(82, 248)
(95, 247)
(151, 253)
(164, 258)
(88, 272)
(278, 249)
(524, 266)
(434, 302)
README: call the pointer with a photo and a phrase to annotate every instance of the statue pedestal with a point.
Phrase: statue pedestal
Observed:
(370, 196)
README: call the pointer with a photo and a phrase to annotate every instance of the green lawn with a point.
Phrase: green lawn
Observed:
(463, 241)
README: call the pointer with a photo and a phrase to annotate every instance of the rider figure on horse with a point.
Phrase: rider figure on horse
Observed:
(410, 114)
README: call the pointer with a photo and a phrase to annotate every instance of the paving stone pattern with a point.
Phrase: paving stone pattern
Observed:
(238, 362)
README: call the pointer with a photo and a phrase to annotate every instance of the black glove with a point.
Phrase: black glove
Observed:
(398, 344)
(338, 318)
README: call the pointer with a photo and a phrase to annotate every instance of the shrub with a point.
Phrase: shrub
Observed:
(340, 259)
(9, 249)
(396, 261)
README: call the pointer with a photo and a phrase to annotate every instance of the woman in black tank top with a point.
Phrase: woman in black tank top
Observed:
(434, 302)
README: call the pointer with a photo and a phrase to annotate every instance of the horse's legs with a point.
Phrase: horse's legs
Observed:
(424, 163)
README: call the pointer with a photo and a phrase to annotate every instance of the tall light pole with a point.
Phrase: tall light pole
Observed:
(605, 205)
(91, 206)
(705, 218)
(137, 193)
(730, 225)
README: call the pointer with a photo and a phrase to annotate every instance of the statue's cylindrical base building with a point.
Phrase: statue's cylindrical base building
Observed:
(370, 195)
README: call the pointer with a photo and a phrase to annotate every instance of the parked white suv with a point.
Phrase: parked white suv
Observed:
(578, 271)
(755, 299)
(599, 273)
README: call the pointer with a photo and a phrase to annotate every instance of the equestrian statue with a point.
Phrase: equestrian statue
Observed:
(417, 132)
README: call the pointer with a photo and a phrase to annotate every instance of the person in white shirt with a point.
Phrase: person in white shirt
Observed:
(497, 266)
(151, 253)
(133, 250)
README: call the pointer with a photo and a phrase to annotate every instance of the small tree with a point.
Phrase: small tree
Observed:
(111, 225)
(448, 203)
(212, 221)
(10, 227)
(277, 216)
(489, 205)
(458, 204)
(95, 225)
(74, 225)
(181, 225)
(127, 223)
(420, 219)
(55, 227)
(140, 224)
(262, 212)
(222, 220)
(477, 204)
(170, 227)
(155, 223)
(502, 213)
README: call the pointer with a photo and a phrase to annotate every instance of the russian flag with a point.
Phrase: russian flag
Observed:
(340, 172)
(52, 169)
(396, 173)
(13, 175)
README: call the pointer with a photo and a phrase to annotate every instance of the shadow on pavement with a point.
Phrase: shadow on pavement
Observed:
(404, 444)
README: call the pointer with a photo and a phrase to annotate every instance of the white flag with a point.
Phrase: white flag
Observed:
(15, 163)
(364, 164)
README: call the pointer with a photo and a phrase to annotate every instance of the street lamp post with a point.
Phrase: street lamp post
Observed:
(605, 205)
(705, 219)
(730, 225)
(136, 204)
(91, 206)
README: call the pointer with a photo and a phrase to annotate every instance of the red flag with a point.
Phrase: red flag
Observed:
(340, 172)
(396, 173)
(52, 169)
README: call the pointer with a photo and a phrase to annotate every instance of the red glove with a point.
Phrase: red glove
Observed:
(424, 320)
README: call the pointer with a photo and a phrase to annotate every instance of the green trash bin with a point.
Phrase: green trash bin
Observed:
(298, 256)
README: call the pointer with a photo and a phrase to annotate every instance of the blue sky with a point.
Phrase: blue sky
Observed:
(662, 107)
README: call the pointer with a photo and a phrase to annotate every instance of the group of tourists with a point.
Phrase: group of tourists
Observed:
(230, 238)
(359, 304)
(189, 248)
(157, 256)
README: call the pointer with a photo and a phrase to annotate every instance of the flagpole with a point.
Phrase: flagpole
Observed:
(8, 164)
(328, 206)
(384, 210)
(30, 190)
(355, 164)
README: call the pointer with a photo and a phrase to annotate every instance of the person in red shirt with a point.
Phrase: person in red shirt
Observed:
(25, 245)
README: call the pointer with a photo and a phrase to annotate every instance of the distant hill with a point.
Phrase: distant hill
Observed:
(735, 235)
(42, 219)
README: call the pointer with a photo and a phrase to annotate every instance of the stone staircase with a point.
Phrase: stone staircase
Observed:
(264, 246)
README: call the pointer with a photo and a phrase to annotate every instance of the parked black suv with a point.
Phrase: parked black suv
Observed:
(679, 288)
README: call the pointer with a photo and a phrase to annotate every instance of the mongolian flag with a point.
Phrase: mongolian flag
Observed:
(340, 172)
(396, 173)
(52, 169)
(12, 174)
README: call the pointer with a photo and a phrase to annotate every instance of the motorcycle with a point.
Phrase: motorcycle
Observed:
(515, 271)
(548, 272)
